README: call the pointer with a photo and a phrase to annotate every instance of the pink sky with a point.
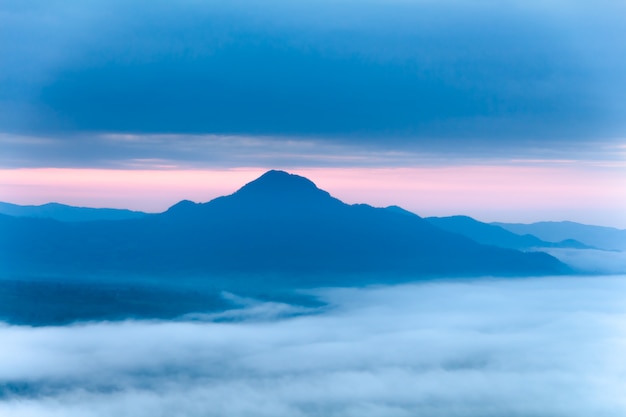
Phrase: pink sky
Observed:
(588, 194)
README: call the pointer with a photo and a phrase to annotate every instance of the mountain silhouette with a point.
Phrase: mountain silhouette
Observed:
(279, 227)
(491, 234)
(607, 238)
(67, 213)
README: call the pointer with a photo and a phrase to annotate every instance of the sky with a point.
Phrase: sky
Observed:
(491, 347)
(504, 110)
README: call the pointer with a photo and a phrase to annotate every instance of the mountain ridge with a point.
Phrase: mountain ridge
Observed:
(602, 237)
(491, 234)
(64, 212)
(277, 225)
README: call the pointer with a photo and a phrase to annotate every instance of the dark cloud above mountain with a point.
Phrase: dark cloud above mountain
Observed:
(400, 72)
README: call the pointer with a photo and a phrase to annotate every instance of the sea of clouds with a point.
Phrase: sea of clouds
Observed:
(480, 348)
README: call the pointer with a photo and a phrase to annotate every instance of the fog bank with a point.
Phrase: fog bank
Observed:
(531, 347)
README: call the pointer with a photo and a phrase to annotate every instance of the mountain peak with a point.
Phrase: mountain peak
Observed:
(283, 185)
(276, 178)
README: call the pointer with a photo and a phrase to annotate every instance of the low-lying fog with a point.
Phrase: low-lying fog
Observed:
(491, 347)
(592, 261)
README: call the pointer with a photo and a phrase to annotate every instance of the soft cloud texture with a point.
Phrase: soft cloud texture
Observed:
(593, 261)
(186, 151)
(532, 347)
(370, 71)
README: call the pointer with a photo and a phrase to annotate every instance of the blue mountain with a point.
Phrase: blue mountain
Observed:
(608, 238)
(491, 234)
(67, 213)
(280, 229)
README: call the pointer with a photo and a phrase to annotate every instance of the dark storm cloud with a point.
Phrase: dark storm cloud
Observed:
(409, 70)
(532, 348)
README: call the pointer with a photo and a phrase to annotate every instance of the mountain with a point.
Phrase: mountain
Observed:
(490, 234)
(66, 213)
(607, 238)
(279, 228)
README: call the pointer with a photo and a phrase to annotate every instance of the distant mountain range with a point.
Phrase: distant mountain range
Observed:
(607, 238)
(507, 235)
(492, 234)
(280, 227)
(66, 213)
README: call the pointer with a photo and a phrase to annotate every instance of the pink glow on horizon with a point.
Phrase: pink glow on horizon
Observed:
(489, 193)
(146, 190)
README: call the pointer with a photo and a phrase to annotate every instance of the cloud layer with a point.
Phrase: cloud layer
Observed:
(534, 347)
(513, 69)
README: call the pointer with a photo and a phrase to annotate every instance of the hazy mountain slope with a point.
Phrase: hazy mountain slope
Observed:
(67, 213)
(598, 236)
(43, 302)
(490, 234)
